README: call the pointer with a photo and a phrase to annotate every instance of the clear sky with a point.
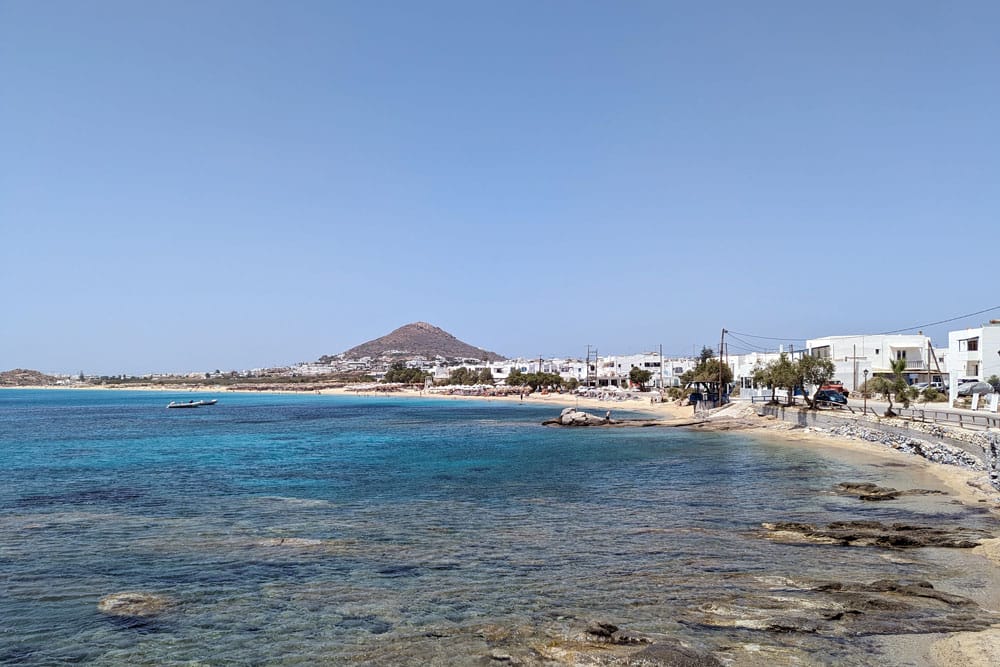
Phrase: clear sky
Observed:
(191, 185)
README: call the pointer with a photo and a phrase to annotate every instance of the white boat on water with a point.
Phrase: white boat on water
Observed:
(191, 403)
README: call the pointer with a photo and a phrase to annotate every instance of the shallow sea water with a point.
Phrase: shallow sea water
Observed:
(356, 530)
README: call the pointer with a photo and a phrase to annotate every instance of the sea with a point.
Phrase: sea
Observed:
(314, 529)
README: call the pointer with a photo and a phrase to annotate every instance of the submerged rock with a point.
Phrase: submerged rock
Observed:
(609, 633)
(874, 492)
(848, 609)
(133, 604)
(874, 533)
(673, 654)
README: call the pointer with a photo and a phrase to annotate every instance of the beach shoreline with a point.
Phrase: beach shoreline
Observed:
(966, 486)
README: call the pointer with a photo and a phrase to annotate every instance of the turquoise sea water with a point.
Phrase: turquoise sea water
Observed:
(316, 529)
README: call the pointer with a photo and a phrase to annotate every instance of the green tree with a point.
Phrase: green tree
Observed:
(783, 373)
(903, 391)
(813, 371)
(539, 380)
(399, 372)
(762, 378)
(462, 375)
(706, 354)
(896, 385)
(708, 371)
(884, 386)
(516, 378)
(994, 381)
(640, 377)
(486, 376)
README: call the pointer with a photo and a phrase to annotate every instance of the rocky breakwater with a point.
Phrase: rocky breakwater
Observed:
(574, 417)
(938, 452)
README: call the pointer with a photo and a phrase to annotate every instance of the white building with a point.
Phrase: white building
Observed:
(853, 355)
(744, 365)
(614, 370)
(973, 354)
(606, 371)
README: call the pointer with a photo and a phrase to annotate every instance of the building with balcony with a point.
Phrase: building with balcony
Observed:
(853, 355)
(973, 354)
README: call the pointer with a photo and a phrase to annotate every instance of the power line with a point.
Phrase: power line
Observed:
(752, 346)
(917, 326)
(765, 337)
(952, 319)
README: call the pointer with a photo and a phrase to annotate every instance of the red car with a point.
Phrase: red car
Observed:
(836, 385)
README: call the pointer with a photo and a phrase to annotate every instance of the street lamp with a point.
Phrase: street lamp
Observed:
(864, 392)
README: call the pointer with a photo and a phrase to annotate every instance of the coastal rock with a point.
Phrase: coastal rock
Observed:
(608, 633)
(850, 609)
(673, 654)
(133, 604)
(574, 417)
(874, 533)
(873, 492)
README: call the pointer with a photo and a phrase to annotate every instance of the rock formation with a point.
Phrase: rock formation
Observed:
(874, 533)
(133, 604)
(574, 417)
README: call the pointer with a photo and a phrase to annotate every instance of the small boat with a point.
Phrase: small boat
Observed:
(189, 404)
(192, 403)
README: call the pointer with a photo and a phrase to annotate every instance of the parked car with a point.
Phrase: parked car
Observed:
(970, 388)
(836, 385)
(830, 396)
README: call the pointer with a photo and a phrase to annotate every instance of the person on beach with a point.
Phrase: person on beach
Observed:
(607, 415)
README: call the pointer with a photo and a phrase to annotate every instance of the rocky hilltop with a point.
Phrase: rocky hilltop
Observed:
(22, 377)
(418, 339)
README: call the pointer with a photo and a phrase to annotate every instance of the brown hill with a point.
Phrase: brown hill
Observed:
(21, 377)
(418, 339)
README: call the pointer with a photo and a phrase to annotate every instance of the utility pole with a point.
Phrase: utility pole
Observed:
(588, 366)
(661, 366)
(928, 362)
(722, 342)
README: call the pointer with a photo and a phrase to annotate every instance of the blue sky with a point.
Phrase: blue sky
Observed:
(200, 185)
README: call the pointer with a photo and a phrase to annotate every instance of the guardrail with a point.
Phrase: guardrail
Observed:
(963, 420)
(782, 401)
(960, 418)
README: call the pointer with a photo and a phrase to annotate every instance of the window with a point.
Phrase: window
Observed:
(900, 354)
(968, 345)
(876, 351)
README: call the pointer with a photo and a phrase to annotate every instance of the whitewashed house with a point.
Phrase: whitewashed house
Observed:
(973, 354)
(853, 355)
